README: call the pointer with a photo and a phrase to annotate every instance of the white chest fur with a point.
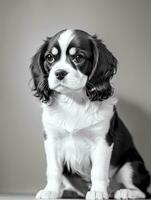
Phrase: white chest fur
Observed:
(76, 124)
(73, 114)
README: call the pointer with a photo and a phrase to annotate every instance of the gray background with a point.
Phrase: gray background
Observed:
(125, 26)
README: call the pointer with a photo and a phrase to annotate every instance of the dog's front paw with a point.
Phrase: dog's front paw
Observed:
(96, 195)
(46, 194)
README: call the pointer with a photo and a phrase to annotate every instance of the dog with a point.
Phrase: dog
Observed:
(83, 134)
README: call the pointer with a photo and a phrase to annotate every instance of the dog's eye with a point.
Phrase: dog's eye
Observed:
(50, 58)
(79, 59)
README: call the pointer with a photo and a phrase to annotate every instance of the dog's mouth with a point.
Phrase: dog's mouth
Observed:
(60, 87)
(57, 85)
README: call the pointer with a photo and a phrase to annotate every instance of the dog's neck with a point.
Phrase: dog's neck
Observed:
(78, 97)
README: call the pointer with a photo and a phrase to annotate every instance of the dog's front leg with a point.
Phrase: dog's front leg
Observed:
(54, 172)
(100, 157)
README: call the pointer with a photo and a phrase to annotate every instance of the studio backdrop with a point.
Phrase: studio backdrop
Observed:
(124, 26)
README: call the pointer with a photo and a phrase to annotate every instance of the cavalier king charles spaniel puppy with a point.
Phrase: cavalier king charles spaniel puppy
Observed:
(84, 138)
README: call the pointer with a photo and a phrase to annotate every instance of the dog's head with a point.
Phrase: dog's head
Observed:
(70, 61)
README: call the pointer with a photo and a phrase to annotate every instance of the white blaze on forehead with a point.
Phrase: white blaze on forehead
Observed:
(54, 51)
(72, 51)
(65, 39)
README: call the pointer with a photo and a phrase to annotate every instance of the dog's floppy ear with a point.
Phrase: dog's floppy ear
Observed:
(104, 67)
(40, 74)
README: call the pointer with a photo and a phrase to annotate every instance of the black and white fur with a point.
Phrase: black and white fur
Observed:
(84, 137)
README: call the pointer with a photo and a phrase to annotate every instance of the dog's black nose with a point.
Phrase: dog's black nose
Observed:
(60, 74)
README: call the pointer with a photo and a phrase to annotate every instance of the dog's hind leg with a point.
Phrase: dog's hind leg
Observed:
(135, 179)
